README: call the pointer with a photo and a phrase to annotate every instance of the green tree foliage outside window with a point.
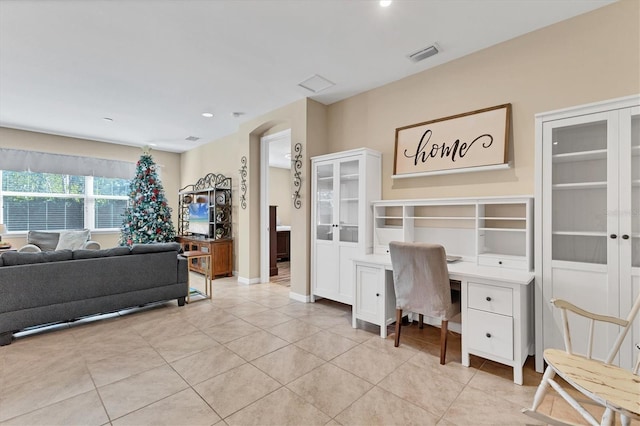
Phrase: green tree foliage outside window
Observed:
(148, 217)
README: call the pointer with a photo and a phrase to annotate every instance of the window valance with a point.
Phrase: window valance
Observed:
(44, 162)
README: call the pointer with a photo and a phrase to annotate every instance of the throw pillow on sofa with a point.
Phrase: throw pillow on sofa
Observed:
(72, 240)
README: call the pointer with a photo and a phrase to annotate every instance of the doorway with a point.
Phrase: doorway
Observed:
(275, 207)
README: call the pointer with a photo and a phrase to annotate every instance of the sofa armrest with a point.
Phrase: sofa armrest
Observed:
(91, 245)
(29, 248)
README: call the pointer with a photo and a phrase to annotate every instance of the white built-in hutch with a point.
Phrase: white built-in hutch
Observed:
(493, 237)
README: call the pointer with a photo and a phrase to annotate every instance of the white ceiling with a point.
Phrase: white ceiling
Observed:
(155, 66)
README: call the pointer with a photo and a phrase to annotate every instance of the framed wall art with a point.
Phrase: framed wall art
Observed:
(473, 141)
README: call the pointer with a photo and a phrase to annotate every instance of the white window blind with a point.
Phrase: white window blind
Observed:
(34, 161)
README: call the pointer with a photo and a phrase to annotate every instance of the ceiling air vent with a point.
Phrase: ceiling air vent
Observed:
(422, 54)
(316, 83)
(192, 138)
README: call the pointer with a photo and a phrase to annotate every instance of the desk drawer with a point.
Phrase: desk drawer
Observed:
(503, 262)
(490, 298)
(490, 333)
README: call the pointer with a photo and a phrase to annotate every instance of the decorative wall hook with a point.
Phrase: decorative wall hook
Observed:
(243, 182)
(297, 175)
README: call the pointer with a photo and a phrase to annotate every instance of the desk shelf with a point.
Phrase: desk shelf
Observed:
(475, 228)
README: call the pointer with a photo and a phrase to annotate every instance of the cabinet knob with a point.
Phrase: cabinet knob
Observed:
(625, 237)
(613, 236)
(387, 251)
(500, 262)
(488, 299)
(488, 335)
(377, 294)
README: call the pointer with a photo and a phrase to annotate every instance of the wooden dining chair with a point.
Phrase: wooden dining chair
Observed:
(421, 283)
(614, 388)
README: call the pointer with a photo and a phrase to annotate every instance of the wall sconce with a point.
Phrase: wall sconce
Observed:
(243, 182)
(297, 175)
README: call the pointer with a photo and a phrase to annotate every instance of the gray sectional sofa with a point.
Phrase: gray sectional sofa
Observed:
(57, 286)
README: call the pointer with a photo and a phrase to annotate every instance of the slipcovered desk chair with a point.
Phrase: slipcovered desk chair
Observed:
(59, 240)
(421, 282)
(614, 388)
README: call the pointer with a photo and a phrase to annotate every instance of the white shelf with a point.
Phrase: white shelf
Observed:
(580, 233)
(354, 176)
(441, 218)
(349, 225)
(503, 229)
(502, 218)
(463, 226)
(583, 185)
(349, 199)
(598, 154)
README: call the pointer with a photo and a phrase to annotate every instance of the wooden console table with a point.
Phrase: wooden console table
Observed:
(221, 252)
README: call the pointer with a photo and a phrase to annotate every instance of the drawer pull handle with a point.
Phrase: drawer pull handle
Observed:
(488, 335)
(488, 299)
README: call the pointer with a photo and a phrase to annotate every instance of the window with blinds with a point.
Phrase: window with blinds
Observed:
(49, 201)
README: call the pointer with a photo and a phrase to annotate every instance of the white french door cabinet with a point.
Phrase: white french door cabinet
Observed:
(344, 185)
(588, 222)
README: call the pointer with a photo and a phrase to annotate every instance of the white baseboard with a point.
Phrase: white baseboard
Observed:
(299, 297)
(248, 281)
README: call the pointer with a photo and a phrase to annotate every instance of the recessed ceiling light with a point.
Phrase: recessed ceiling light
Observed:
(207, 114)
(385, 3)
(108, 119)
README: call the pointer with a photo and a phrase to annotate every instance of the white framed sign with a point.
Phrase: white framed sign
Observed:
(476, 140)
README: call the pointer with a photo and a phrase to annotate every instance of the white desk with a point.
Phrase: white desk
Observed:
(497, 307)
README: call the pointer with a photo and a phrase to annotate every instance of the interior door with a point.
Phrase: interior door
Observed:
(629, 226)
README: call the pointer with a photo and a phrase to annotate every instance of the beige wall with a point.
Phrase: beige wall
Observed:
(589, 58)
(33, 141)
(280, 193)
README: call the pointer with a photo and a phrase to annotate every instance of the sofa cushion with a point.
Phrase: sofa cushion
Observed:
(1, 261)
(72, 240)
(91, 254)
(46, 240)
(12, 258)
(154, 248)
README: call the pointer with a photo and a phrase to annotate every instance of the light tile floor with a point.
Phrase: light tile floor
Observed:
(251, 356)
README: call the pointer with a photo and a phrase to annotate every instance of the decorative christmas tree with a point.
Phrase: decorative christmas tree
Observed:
(147, 219)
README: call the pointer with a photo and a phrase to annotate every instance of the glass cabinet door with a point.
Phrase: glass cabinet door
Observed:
(635, 187)
(349, 184)
(324, 202)
(579, 189)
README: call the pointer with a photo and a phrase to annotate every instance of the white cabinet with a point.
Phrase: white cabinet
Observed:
(343, 186)
(490, 231)
(588, 221)
(497, 307)
(375, 298)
